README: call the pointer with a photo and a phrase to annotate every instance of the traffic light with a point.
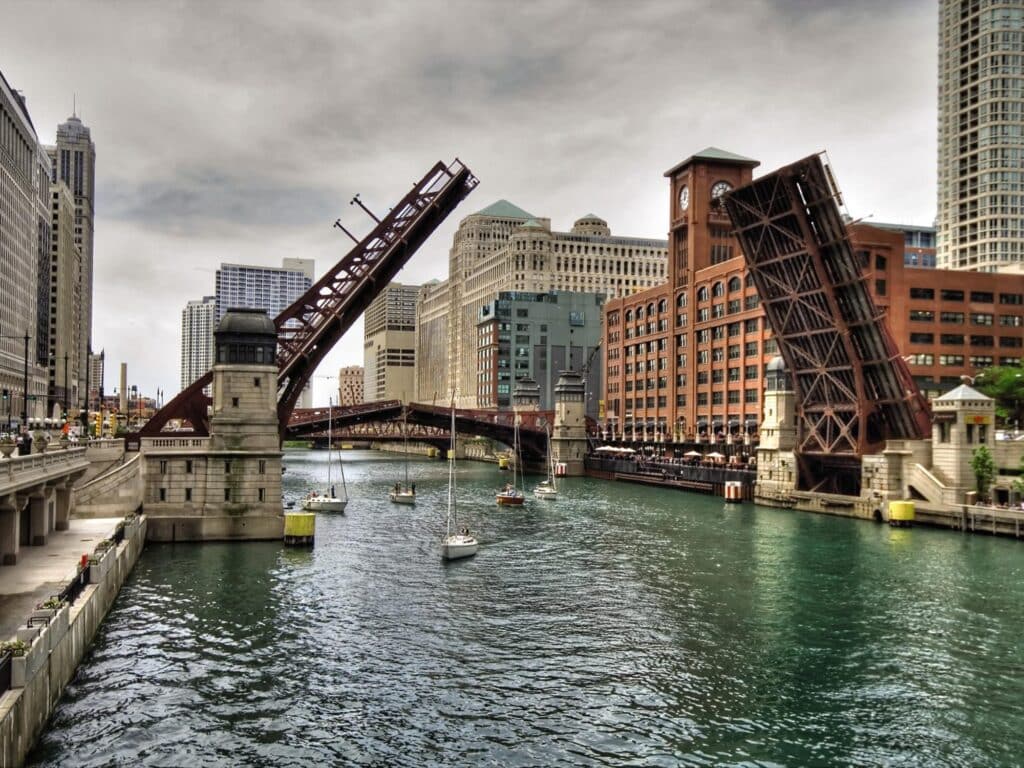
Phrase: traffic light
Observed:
(99, 425)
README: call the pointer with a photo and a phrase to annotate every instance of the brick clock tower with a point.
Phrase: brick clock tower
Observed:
(678, 355)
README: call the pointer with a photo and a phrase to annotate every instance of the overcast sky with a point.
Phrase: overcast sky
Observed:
(239, 131)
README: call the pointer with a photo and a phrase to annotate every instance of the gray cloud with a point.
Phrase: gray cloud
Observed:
(238, 131)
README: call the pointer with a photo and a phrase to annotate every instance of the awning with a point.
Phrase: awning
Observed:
(702, 422)
(734, 422)
(751, 422)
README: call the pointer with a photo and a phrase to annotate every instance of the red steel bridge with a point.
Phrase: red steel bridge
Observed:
(310, 327)
(386, 420)
(853, 389)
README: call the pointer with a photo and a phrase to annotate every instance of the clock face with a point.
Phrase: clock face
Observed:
(684, 197)
(720, 188)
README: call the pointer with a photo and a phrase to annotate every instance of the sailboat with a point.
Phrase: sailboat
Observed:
(328, 501)
(404, 494)
(455, 546)
(548, 488)
(511, 495)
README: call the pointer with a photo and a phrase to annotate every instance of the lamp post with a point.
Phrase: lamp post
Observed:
(135, 394)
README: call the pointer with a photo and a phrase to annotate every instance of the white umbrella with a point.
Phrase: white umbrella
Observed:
(693, 453)
(715, 455)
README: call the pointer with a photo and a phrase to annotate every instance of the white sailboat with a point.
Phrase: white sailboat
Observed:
(328, 500)
(548, 489)
(455, 546)
(404, 494)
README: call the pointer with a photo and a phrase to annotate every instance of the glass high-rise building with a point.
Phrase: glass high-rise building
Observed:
(268, 288)
(981, 135)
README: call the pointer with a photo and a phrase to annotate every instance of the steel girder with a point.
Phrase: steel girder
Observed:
(853, 388)
(312, 325)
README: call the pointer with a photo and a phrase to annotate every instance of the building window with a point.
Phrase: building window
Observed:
(234, 402)
(188, 466)
(922, 293)
(970, 434)
(227, 494)
(227, 467)
(880, 287)
(163, 494)
(948, 294)
(922, 315)
(163, 467)
(256, 382)
(943, 432)
(982, 297)
(263, 467)
(262, 494)
(188, 494)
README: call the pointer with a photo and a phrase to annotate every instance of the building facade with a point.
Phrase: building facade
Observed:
(538, 336)
(981, 135)
(504, 248)
(389, 344)
(268, 288)
(918, 243)
(73, 164)
(350, 385)
(65, 322)
(97, 375)
(198, 323)
(686, 360)
(24, 254)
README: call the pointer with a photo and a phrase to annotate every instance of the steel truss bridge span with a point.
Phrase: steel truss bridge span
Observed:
(314, 323)
(496, 425)
(853, 389)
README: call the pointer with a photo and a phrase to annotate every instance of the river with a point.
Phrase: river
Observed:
(620, 625)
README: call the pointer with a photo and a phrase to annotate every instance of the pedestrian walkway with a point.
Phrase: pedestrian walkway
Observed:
(42, 572)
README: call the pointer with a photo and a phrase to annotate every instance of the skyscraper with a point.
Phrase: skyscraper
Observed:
(73, 162)
(268, 288)
(981, 135)
(198, 322)
(24, 255)
(389, 344)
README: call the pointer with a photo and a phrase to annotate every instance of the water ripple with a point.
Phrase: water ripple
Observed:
(618, 626)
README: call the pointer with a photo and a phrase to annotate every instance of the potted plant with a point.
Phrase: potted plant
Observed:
(58, 625)
(7, 446)
(14, 647)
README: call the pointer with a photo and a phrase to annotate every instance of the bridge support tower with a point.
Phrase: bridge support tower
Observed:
(776, 461)
(569, 437)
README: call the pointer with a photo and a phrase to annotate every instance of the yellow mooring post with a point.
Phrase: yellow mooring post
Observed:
(901, 513)
(299, 528)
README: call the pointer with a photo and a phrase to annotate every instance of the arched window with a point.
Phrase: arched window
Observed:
(702, 293)
(734, 284)
(662, 306)
(650, 309)
(681, 300)
(629, 315)
(749, 282)
(718, 289)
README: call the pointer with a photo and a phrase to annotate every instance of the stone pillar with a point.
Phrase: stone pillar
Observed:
(39, 519)
(63, 502)
(10, 533)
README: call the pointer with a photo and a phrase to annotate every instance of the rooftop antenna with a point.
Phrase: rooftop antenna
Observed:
(74, 104)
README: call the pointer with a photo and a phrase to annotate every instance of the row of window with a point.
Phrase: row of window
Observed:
(957, 339)
(957, 318)
(980, 297)
(189, 465)
(229, 495)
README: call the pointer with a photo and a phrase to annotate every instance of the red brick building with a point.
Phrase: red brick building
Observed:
(686, 359)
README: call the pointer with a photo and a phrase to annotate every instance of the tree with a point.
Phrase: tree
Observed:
(1005, 385)
(1018, 482)
(984, 468)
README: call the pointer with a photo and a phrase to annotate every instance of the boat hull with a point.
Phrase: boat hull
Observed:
(458, 547)
(545, 493)
(324, 504)
(402, 497)
(509, 501)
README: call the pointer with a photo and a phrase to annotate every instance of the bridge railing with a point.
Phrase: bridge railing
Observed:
(17, 467)
(174, 443)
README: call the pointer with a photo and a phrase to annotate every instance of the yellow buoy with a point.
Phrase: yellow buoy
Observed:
(901, 513)
(299, 528)
(432, 453)
(503, 462)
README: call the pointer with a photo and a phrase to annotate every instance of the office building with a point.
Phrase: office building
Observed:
(65, 302)
(271, 289)
(918, 243)
(268, 288)
(97, 375)
(198, 323)
(73, 163)
(389, 344)
(686, 360)
(981, 136)
(24, 255)
(504, 248)
(350, 385)
(538, 336)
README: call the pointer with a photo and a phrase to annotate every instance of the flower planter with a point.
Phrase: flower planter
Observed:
(28, 634)
(24, 668)
(7, 448)
(98, 567)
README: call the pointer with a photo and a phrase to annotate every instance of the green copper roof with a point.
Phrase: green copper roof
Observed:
(717, 155)
(503, 209)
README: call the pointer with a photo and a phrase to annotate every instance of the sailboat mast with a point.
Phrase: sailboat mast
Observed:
(451, 478)
(330, 440)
